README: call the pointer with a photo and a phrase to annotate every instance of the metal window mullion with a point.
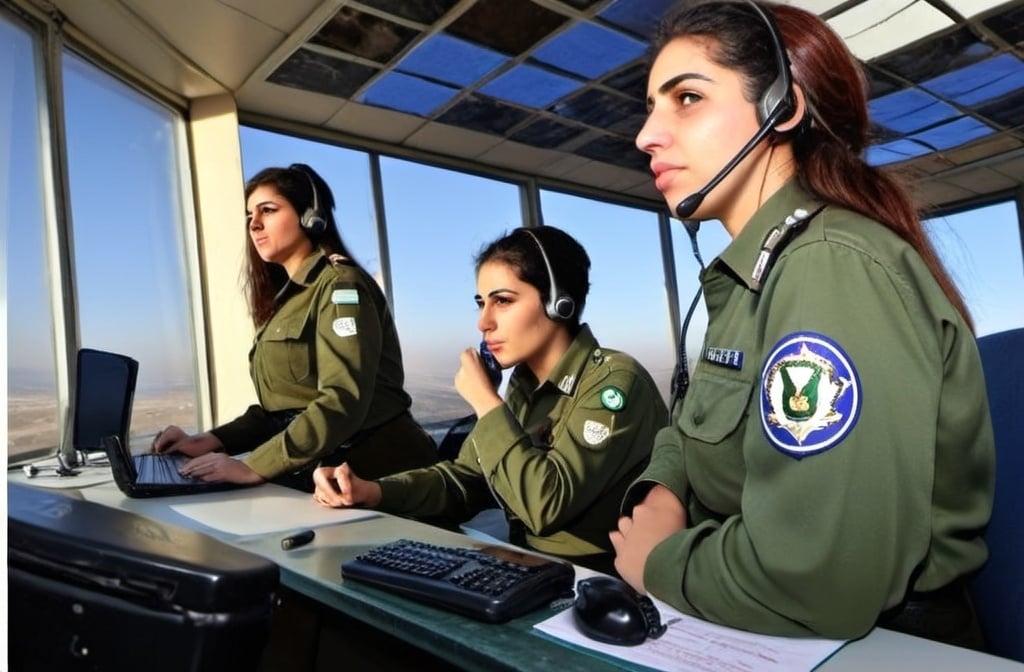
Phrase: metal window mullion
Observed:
(380, 215)
(59, 231)
(529, 204)
(668, 260)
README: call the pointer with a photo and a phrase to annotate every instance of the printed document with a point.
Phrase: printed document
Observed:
(692, 645)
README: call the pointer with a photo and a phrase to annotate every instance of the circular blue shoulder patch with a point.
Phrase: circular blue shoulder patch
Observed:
(810, 394)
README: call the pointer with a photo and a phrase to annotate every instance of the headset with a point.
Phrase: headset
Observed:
(776, 105)
(312, 221)
(559, 306)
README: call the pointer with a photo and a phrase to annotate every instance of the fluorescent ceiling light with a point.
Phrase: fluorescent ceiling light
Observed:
(819, 7)
(968, 8)
(877, 27)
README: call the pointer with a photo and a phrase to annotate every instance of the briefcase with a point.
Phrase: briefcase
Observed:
(96, 588)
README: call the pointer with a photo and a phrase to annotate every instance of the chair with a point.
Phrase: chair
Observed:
(451, 444)
(998, 589)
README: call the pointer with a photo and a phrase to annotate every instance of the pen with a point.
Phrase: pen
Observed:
(297, 539)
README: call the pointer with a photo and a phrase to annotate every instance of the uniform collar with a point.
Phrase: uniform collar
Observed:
(741, 254)
(565, 376)
(310, 268)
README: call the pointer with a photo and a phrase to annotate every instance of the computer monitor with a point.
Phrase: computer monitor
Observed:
(102, 403)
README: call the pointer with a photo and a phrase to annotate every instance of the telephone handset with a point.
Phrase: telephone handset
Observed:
(491, 364)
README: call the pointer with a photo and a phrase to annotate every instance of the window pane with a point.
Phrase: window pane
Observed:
(32, 416)
(438, 220)
(982, 251)
(128, 229)
(627, 306)
(347, 173)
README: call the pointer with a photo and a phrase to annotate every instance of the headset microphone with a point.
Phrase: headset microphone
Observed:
(689, 205)
(775, 104)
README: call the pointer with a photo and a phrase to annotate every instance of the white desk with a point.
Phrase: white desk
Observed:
(314, 571)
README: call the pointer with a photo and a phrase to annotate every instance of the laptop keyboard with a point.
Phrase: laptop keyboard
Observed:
(154, 468)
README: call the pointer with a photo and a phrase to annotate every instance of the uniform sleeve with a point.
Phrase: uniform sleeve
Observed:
(828, 539)
(548, 486)
(251, 428)
(347, 340)
(667, 467)
(453, 490)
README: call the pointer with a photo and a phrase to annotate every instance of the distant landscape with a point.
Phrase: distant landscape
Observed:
(32, 417)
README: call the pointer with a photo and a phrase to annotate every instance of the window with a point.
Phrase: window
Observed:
(129, 246)
(627, 307)
(32, 413)
(981, 249)
(346, 171)
(438, 220)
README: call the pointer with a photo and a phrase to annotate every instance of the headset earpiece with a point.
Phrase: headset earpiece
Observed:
(559, 307)
(777, 103)
(312, 221)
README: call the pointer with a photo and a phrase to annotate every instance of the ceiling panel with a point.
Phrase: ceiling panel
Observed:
(513, 83)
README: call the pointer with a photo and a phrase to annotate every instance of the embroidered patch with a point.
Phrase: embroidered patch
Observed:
(810, 394)
(348, 297)
(344, 326)
(613, 398)
(725, 357)
(594, 432)
(565, 385)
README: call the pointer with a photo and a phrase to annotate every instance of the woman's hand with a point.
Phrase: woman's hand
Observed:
(338, 487)
(658, 517)
(220, 467)
(173, 439)
(473, 383)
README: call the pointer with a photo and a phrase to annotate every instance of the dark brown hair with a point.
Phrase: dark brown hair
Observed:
(295, 184)
(830, 142)
(570, 263)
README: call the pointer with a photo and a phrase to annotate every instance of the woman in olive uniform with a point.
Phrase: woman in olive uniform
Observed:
(575, 428)
(831, 466)
(326, 361)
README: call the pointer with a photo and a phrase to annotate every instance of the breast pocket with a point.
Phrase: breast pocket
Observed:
(287, 353)
(714, 408)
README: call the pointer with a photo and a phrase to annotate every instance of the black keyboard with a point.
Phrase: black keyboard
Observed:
(160, 468)
(492, 584)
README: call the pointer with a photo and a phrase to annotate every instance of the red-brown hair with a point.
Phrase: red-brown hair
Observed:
(830, 143)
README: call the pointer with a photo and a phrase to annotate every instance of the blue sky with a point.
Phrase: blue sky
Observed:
(124, 213)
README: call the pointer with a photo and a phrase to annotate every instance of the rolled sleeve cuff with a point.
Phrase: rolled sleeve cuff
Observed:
(267, 462)
(665, 569)
(393, 491)
(494, 435)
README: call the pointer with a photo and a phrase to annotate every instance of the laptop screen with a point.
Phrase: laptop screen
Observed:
(104, 392)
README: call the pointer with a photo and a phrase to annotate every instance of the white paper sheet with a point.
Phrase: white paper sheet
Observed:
(693, 645)
(245, 512)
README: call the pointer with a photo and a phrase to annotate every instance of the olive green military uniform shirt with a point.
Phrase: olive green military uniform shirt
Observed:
(327, 368)
(834, 449)
(557, 456)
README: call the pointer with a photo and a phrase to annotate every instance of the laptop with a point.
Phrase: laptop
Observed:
(102, 405)
(104, 394)
(153, 475)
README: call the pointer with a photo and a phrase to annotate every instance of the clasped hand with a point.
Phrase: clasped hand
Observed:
(656, 518)
(339, 487)
(474, 385)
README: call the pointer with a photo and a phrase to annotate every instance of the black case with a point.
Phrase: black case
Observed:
(98, 588)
